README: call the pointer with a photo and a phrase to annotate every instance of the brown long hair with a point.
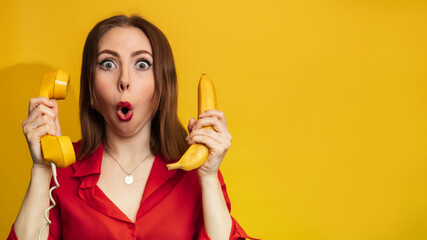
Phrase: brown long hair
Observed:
(167, 133)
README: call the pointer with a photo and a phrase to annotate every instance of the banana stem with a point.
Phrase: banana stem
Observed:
(176, 165)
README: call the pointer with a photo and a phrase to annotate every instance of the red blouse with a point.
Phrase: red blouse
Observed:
(171, 206)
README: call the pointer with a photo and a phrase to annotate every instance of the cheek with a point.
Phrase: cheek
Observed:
(101, 92)
(147, 95)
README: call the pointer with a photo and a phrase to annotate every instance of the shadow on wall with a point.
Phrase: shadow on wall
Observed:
(20, 83)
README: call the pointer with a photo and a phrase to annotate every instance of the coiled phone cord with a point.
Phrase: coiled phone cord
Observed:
(51, 199)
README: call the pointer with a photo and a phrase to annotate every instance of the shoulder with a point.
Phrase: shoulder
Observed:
(67, 174)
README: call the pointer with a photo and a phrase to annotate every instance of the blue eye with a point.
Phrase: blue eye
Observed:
(107, 64)
(143, 64)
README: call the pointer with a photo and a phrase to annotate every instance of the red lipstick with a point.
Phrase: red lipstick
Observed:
(124, 111)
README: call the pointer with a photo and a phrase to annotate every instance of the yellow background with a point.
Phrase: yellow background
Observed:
(325, 100)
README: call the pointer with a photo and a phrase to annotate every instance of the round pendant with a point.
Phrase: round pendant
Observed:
(128, 179)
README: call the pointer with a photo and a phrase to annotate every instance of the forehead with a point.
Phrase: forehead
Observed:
(124, 39)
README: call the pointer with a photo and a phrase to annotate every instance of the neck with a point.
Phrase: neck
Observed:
(129, 149)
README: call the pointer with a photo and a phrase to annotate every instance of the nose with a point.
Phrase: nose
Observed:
(124, 81)
(124, 86)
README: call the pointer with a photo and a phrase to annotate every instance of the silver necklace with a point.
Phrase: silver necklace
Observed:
(129, 178)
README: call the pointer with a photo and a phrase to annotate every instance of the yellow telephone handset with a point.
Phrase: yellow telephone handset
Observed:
(58, 150)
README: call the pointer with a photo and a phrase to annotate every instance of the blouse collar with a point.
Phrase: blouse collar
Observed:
(88, 170)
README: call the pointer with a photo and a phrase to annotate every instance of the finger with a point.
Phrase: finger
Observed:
(214, 113)
(46, 129)
(55, 110)
(213, 122)
(191, 124)
(198, 136)
(39, 121)
(55, 106)
(218, 114)
(35, 102)
(206, 132)
(43, 130)
(213, 145)
(41, 110)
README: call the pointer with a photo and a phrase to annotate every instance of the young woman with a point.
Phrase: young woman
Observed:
(120, 188)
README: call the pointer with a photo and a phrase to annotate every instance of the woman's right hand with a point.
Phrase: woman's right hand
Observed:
(42, 120)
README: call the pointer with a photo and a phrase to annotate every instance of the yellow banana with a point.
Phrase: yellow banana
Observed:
(197, 154)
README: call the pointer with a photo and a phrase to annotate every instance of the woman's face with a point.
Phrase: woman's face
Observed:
(124, 80)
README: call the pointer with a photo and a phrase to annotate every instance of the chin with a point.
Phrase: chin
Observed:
(129, 130)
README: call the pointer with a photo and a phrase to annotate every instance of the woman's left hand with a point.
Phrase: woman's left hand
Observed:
(217, 139)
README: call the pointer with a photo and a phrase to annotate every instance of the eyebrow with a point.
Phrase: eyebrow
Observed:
(136, 53)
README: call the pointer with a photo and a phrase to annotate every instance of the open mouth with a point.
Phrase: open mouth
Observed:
(124, 111)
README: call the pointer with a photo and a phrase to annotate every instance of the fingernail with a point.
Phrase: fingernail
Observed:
(202, 114)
